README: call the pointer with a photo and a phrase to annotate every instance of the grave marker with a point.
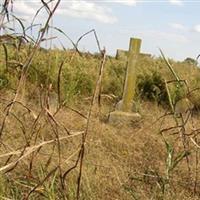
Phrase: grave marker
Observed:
(123, 112)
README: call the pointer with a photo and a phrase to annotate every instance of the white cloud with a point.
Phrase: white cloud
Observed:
(155, 35)
(176, 2)
(178, 26)
(26, 11)
(87, 10)
(197, 28)
(84, 9)
(164, 36)
(125, 2)
(24, 8)
(172, 37)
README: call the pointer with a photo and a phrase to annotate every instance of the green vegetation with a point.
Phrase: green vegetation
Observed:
(79, 73)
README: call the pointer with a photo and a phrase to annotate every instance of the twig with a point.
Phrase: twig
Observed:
(28, 150)
(84, 136)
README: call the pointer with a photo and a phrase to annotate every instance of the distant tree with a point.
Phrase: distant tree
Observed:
(191, 61)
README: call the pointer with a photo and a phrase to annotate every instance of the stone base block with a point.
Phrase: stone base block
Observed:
(123, 118)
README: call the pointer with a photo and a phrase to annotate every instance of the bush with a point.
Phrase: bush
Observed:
(177, 92)
(76, 82)
(113, 79)
(151, 86)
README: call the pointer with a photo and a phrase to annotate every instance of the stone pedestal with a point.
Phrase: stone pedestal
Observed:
(123, 118)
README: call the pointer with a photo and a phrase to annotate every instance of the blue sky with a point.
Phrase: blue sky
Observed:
(172, 25)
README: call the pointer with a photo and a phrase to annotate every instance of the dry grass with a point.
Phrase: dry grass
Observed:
(39, 159)
(120, 162)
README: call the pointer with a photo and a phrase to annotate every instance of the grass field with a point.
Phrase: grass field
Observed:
(156, 158)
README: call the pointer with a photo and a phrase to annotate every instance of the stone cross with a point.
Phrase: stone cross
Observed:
(123, 54)
(130, 81)
(124, 108)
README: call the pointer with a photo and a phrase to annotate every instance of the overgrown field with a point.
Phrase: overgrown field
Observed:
(76, 75)
(55, 139)
(42, 132)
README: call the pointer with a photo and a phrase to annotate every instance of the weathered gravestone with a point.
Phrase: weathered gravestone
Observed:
(125, 112)
(123, 54)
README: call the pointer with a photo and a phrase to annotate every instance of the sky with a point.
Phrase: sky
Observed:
(172, 25)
